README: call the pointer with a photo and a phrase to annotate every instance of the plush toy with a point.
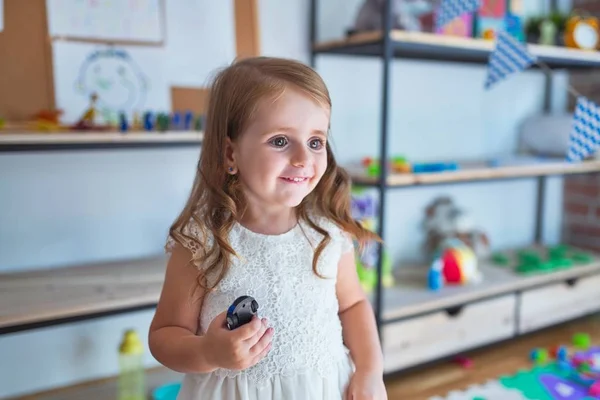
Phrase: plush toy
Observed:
(405, 14)
(444, 220)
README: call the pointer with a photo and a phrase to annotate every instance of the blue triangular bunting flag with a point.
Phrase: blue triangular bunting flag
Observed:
(449, 10)
(584, 139)
(508, 57)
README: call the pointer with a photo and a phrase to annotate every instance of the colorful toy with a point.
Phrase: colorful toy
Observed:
(88, 119)
(47, 120)
(187, 120)
(148, 121)
(162, 122)
(463, 361)
(455, 264)
(541, 260)
(123, 124)
(559, 377)
(581, 340)
(539, 356)
(364, 210)
(444, 220)
(398, 165)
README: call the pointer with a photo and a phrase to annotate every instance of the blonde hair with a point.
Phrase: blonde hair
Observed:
(216, 200)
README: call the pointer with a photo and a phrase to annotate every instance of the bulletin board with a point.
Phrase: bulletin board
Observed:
(115, 21)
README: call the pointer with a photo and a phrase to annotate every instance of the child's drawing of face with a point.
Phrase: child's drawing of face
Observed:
(115, 78)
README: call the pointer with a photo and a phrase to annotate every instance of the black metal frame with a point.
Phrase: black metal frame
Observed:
(387, 50)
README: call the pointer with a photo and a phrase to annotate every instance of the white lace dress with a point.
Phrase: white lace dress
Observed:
(308, 359)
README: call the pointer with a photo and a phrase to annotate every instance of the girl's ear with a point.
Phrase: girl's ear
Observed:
(230, 157)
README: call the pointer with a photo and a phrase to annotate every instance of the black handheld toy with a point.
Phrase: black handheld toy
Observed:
(241, 311)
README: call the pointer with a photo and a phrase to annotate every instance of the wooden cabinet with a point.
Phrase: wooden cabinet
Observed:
(558, 302)
(441, 333)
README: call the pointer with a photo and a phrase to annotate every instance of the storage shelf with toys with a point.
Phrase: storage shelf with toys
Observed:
(437, 47)
(464, 299)
(517, 292)
(40, 141)
(48, 297)
(438, 173)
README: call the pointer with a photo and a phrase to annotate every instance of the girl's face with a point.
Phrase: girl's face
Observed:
(281, 156)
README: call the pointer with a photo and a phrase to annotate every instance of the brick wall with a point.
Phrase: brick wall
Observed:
(581, 193)
(581, 205)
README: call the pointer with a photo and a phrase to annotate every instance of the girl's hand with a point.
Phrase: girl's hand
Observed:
(366, 385)
(240, 348)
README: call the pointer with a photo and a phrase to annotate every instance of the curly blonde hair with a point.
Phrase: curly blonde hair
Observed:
(216, 200)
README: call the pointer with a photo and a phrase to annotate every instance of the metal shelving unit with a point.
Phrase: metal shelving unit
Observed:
(389, 45)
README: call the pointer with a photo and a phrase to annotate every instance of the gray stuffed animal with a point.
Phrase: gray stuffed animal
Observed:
(405, 14)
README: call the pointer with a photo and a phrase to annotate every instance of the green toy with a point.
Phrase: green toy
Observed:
(368, 274)
(581, 341)
(531, 262)
(364, 210)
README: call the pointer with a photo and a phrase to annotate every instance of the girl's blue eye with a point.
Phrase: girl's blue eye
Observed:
(279, 141)
(316, 144)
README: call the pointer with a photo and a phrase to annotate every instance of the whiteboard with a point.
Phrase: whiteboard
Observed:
(111, 20)
(128, 79)
(1, 15)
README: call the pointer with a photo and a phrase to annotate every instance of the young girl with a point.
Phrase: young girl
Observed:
(268, 216)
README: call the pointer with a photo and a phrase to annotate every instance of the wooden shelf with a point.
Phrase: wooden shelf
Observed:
(480, 172)
(46, 297)
(28, 141)
(429, 46)
(412, 297)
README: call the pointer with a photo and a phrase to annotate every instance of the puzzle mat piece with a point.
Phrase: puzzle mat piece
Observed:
(492, 390)
(546, 382)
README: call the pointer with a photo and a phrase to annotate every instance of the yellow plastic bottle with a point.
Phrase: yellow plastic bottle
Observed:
(132, 385)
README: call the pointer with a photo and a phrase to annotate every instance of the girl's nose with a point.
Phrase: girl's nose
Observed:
(300, 157)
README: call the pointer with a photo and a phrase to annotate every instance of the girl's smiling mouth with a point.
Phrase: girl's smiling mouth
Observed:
(295, 179)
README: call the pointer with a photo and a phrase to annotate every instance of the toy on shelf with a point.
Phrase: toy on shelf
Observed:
(400, 165)
(541, 260)
(364, 210)
(499, 15)
(582, 33)
(88, 119)
(444, 220)
(123, 123)
(454, 264)
(397, 164)
(407, 15)
(47, 121)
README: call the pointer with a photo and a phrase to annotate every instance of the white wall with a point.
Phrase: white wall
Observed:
(69, 207)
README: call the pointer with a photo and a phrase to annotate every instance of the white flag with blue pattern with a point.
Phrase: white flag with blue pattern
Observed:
(508, 57)
(585, 134)
(449, 10)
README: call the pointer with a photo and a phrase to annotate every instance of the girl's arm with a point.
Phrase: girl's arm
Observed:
(172, 337)
(173, 340)
(358, 319)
